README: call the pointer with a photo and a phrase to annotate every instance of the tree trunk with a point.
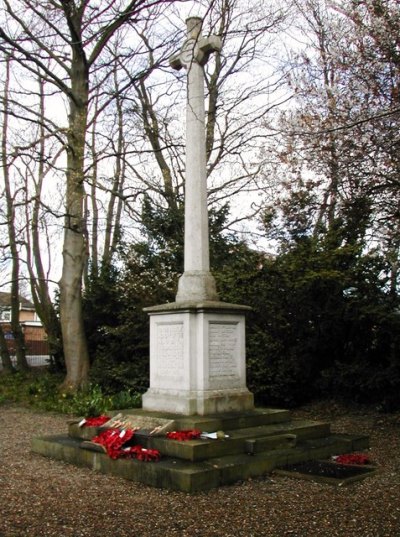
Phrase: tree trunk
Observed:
(39, 282)
(152, 129)
(5, 354)
(114, 209)
(74, 248)
(12, 236)
(68, 71)
(94, 269)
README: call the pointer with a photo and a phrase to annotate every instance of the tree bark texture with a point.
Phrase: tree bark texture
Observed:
(74, 248)
(5, 354)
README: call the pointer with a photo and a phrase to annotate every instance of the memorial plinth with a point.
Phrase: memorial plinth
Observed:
(197, 359)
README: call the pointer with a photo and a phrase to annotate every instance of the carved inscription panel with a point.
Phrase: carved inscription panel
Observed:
(223, 350)
(169, 356)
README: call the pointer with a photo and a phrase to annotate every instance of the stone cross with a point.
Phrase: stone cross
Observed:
(197, 343)
(196, 283)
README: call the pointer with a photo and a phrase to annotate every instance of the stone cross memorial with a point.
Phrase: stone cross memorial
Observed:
(197, 343)
(197, 282)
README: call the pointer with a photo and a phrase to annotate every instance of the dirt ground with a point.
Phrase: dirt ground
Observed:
(42, 497)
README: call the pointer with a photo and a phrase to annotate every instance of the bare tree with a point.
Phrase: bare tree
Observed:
(67, 41)
(17, 331)
(337, 144)
(43, 164)
(376, 43)
(107, 194)
(239, 96)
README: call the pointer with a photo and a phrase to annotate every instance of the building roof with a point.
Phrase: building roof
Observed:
(5, 301)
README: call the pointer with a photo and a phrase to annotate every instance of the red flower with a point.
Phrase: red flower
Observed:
(143, 454)
(95, 422)
(114, 441)
(352, 458)
(188, 434)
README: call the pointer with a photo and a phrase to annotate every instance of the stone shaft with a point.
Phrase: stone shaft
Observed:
(197, 282)
(196, 214)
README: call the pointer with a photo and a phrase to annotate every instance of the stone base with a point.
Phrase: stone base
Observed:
(197, 359)
(201, 403)
(196, 285)
(256, 442)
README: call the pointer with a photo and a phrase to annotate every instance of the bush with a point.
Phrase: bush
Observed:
(323, 321)
(41, 390)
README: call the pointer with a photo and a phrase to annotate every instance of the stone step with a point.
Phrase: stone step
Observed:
(304, 429)
(168, 473)
(267, 443)
(233, 468)
(225, 422)
(198, 450)
(258, 442)
(178, 474)
(347, 442)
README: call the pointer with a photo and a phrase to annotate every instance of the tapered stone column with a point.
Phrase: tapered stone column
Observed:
(197, 282)
(197, 344)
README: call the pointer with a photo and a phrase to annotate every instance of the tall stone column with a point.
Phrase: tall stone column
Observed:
(197, 282)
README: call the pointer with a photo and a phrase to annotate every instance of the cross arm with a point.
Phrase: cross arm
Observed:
(175, 61)
(206, 46)
(197, 50)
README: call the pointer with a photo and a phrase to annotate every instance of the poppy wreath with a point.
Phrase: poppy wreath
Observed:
(143, 454)
(352, 458)
(115, 443)
(113, 440)
(187, 434)
(95, 422)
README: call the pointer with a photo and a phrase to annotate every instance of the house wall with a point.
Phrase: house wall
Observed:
(35, 339)
(27, 315)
